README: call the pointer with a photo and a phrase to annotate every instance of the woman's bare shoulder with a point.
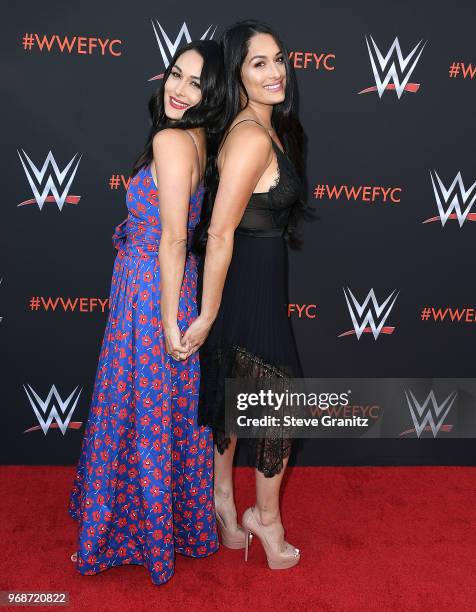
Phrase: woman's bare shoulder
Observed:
(246, 137)
(174, 143)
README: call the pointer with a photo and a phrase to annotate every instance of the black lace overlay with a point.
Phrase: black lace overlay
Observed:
(272, 209)
(266, 454)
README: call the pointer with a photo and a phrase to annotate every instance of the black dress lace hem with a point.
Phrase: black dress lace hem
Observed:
(266, 454)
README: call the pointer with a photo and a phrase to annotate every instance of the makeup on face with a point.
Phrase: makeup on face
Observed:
(182, 88)
(263, 72)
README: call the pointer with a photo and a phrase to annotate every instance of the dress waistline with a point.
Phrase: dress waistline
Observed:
(139, 239)
(261, 233)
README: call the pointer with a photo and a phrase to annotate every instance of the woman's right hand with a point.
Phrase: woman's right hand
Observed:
(197, 333)
(175, 344)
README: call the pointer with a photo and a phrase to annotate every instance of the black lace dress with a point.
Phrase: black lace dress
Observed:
(252, 334)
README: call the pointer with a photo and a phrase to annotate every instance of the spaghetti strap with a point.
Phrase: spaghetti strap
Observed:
(235, 126)
(198, 154)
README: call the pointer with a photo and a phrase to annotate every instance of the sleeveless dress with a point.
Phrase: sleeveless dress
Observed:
(143, 487)
(252, 334)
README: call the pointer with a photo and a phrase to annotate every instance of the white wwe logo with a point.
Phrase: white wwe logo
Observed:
(364, 313)
(35, 178)
(48, 409)
(387, 66)
(423, 415)
(173, 46)
(451, 197)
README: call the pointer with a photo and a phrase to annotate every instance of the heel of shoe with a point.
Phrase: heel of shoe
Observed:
(230, 539)
(276, 560)
(249, 536)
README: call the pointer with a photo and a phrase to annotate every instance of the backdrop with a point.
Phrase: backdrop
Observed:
(384, 286)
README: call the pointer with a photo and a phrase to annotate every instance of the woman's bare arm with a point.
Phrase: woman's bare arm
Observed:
(174, 158)
(247, 154)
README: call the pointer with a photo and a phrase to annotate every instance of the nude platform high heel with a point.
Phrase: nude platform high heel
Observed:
(229, 538)
(276, 560)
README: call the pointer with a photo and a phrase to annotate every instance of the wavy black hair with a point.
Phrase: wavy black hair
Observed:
(208, 113)
(285, 121)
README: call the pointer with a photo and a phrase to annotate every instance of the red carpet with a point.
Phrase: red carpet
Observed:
(383, 539)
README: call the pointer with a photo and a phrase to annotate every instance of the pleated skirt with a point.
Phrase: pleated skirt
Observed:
(251, 337)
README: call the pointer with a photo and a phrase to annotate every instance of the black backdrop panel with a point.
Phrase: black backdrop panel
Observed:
(75, 83)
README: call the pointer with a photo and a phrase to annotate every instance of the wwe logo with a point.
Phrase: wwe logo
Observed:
(168, 48)
(384, 71)
(451, 197)
(423, 414)
(35, 178)
(47, 410)
(364, 313)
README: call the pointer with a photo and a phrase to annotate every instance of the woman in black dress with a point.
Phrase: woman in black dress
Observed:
(243, 328)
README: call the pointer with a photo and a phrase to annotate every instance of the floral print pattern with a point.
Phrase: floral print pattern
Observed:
(143, 488)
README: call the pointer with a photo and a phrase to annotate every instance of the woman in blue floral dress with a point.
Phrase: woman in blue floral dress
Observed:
(143, 488)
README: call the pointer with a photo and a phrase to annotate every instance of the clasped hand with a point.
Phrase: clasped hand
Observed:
(181, 347)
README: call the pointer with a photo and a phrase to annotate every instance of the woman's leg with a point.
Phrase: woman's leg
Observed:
(267, 504)
(223, 485)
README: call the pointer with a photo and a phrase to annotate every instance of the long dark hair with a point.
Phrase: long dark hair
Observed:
(208, 113)
(235, 45)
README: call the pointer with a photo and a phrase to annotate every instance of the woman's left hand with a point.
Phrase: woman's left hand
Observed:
(174, 343)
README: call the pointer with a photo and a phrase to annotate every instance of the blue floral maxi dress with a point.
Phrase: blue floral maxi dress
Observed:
(143, 488)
